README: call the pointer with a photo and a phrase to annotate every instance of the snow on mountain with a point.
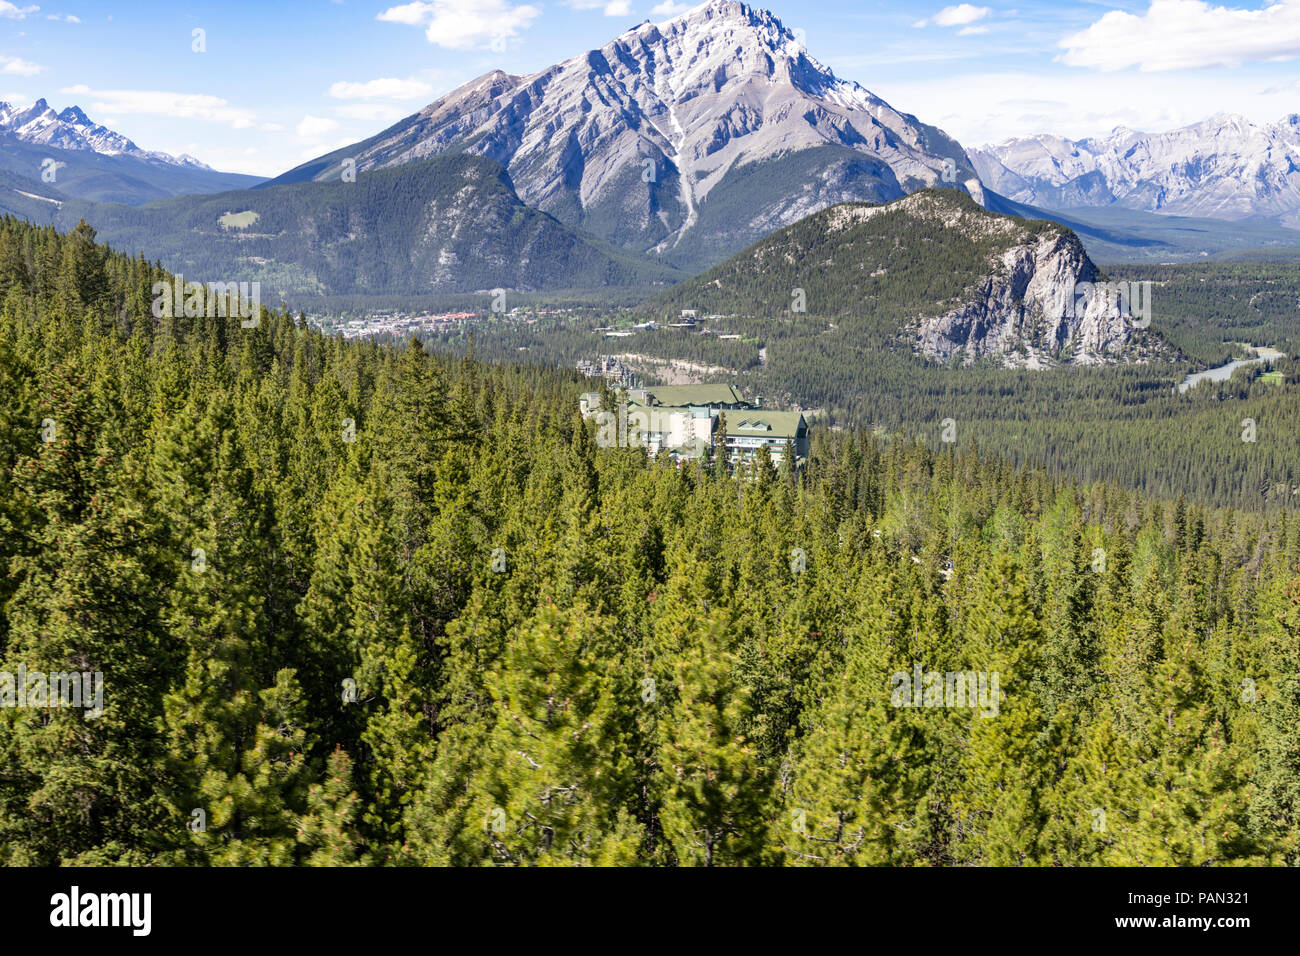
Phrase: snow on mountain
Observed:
(72, 129)
(1225, 167)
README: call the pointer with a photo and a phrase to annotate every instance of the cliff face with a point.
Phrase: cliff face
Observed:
(1042, 305)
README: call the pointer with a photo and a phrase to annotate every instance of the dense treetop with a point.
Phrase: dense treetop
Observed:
(368, 605)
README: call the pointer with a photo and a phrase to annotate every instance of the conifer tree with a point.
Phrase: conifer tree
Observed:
(714, 792)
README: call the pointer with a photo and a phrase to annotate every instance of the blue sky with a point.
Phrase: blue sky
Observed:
(280, 82)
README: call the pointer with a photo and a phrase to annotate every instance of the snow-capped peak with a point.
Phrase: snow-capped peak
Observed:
(72, 129)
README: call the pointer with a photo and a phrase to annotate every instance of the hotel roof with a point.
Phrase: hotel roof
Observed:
(696, 395)
(762, 423)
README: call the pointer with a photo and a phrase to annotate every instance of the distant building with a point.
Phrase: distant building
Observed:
(608, 368)
(683, 422)
(775, 430)
(682, 432)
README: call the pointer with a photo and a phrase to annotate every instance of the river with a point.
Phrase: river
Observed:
(1223, 372)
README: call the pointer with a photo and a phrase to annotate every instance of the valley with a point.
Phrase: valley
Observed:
(854, 359)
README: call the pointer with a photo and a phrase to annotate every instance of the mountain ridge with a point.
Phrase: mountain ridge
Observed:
(72, 129)
(632, 140)
(449, 224)
(1224, 167)
(933, 271)
(90, 161)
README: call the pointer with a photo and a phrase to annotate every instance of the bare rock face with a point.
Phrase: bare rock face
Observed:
(1041, 305)
(688, 139)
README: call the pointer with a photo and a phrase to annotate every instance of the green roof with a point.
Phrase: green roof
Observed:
(696, 394)
(762, 423)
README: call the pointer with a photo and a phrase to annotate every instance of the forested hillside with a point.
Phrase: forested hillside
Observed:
(357, 605)
(1206, 309)
(875, 266)
(443, 225)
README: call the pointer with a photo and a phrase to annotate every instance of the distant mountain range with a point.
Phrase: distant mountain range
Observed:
(1114, 234)
(685, 140)
(1225, 167)
(73, 129)
(665, 151)
(91, 161)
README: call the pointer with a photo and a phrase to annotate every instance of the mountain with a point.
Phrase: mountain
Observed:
(1114, 234)
(686, 139)
(96, 163)
(73, 129)
(1225, 167)
(933, 272)
(448, 224)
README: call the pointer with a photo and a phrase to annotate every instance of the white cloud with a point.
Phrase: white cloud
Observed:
(1186, 34)
(670, 9)
(15, 13)
(612, 8)
(372, 112)
(386, 88)
(982, 107)
(65, 17)
(464, 24)
(960, 15)
(211, 109)
(314, 127)
(16, 66)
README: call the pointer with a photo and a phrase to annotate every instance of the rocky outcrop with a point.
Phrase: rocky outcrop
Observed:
(1043, 304)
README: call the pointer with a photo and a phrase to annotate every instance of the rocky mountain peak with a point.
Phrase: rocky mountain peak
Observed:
(72, 129)
(688, 138)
